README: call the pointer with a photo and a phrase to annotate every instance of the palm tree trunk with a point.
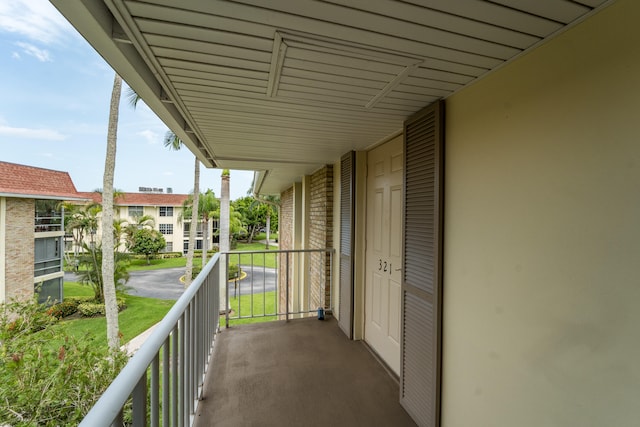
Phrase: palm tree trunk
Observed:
(224, 234)
(194, 224)
(205, 240)
(224, 212)
(108, 263)
(268, 230)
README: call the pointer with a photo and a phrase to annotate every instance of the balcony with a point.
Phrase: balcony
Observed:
(304, 372)
(297, 372)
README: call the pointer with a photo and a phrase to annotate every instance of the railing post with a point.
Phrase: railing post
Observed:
(286, 284)
(226, 287)
(140, 403)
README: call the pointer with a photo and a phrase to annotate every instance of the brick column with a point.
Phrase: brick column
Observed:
(19, 248)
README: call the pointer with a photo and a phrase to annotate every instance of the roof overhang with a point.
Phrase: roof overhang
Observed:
(286, 86)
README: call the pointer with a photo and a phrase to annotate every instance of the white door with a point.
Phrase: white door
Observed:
(384, 251)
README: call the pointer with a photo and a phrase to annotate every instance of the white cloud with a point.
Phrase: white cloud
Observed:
(168, 173)
(15, 55)
(150, 136)
(41, 54)
(47, 134)
(37, 20)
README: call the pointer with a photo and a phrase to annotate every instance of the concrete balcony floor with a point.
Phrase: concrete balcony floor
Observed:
(301, 373)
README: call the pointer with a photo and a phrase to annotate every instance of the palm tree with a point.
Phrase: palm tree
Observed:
(224, 212)
(108, 262)
(139, 222)
(208, 204)
(174, 143)
(272, 203)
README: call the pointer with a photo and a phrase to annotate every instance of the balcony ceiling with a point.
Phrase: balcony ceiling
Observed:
(286, 86)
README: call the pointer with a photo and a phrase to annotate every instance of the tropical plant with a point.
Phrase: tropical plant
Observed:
(208, 204)
(172, 141)
(48, 384)
(90, 272)
(80, 221)
(139, 222)
(108, 242)
(147, 242)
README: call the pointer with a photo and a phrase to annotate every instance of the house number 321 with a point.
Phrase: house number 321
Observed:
(384, 266)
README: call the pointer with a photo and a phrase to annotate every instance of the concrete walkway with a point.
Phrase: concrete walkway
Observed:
(135, 343)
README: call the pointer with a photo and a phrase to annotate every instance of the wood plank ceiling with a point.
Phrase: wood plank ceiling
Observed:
(289, 85)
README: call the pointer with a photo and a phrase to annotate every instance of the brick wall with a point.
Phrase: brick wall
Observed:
(320, 234)
(19, 248)
(285, 241)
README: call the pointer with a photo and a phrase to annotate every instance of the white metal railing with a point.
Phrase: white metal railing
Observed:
(278, 284)
(175, 356)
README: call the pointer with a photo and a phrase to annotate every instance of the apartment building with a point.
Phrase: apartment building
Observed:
(32, 230)
(166, 211)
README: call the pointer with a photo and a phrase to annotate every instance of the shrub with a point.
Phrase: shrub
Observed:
(233, 271)
(195, 270)
(47, 384)
(93, 309)
(64, 309)
(21, 318)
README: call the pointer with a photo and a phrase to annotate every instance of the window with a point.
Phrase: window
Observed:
(136, 211)
(185, 246)
(187, 226)
(49, 290)
(48, 216)
(47, 257)
(166, 210)
(168, 247)
(166, 228)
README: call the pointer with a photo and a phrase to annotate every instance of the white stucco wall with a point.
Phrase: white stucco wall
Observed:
(542, 235)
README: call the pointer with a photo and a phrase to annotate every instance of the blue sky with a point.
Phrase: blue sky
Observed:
(54, 107)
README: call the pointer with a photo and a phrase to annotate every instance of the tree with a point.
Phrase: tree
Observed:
(139, 222)
(80, 222)
(224, 212)
(252, 219)
(208, 204)
(147, 242)
(108, 246)
(173, 142)
(272, 204)
(236, 224)
(90, 272)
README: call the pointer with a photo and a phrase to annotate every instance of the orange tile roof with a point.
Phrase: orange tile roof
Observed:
(21, 181)
(142, 199)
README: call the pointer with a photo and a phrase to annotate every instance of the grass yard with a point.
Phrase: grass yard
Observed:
(268, 260)
(263, 303)
(156, 264)
(259, 260)
(140, 314)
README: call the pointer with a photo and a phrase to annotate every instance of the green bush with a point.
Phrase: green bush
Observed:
(233, 271)
(64, 309)
(93, 309)
(195, 270)
(22, 318)
(44, 384)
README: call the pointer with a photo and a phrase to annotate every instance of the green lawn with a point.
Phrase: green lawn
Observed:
(263, 303)
(156, 264)
(259, 260)
(140, 314)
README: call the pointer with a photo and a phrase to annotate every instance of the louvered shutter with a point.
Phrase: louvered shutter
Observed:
(422, 277)
(347, 199)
